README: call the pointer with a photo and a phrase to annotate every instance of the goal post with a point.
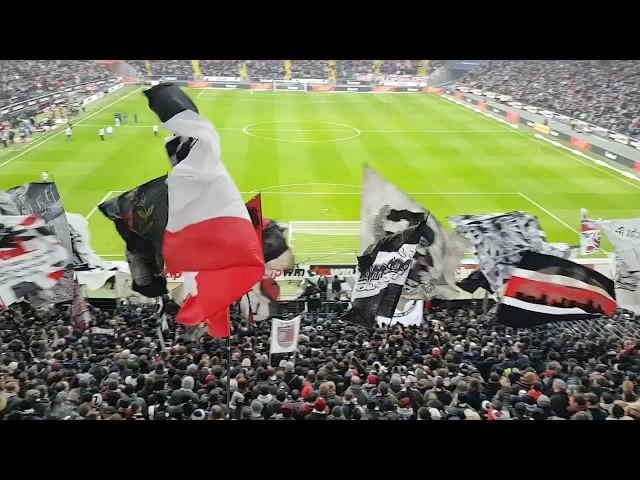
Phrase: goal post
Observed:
(290, 85)
(324, 242)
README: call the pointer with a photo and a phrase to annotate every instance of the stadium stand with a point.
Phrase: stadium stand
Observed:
(221, 68)
(310, 69)
(126, 363)
(399, 67)
(24, 79)
(274, 69)
(268, 69)
(172, 67)
(348, 69)
(602, 92)
(459, 365)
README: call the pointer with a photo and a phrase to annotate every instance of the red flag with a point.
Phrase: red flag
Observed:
(209, 234)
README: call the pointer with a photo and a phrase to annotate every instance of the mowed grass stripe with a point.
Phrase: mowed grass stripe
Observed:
(86, 169)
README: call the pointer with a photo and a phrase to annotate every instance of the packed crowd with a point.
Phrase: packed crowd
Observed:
(275, 69)
(24, 79)
(605, 93)
(310, 69)
(400, 67)
(221, 68)
(458, 365)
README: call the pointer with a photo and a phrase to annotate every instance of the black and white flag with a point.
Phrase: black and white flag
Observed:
(499, 240)
(625, 237)
(385, 210)
(31, 258)
(384, 268)
(545, 289)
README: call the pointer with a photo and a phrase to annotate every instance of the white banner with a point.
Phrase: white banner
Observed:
(409, 314)
(221, 79)
(625, 237)
(284, 335)
(115, 87)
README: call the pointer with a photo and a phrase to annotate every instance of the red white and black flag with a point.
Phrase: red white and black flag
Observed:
(31, 258)
(209, 236)
(544, 289)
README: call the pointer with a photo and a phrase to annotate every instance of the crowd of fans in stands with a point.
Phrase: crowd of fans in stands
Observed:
(275, 69)
(221, 68)
(24, 79)
(458, 365)
(605, 93)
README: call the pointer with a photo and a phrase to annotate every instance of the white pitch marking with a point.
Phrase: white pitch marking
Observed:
(533, 202)
(93, 210)
(237, 129)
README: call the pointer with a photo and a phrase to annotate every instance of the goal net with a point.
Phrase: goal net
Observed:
(318, 242)
(289, 86)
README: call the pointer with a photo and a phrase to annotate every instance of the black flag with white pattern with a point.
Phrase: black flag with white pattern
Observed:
(384, 268)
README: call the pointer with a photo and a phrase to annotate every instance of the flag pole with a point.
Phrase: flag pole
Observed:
(229, 377)
(485, 302)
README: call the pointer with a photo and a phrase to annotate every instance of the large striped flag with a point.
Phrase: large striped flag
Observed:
(545, 288)
(209, 235)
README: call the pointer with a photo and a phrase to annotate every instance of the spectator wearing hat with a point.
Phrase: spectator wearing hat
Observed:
(320, 410)
(404, 409)
(287, 412)
(256, 410)
(336, 414)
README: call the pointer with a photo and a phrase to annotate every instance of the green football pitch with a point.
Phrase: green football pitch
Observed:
(305, 153)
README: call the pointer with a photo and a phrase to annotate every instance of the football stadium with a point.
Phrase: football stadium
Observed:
(388, 203)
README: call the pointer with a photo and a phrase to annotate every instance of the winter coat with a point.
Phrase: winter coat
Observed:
(559, 404)
(359, 394)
